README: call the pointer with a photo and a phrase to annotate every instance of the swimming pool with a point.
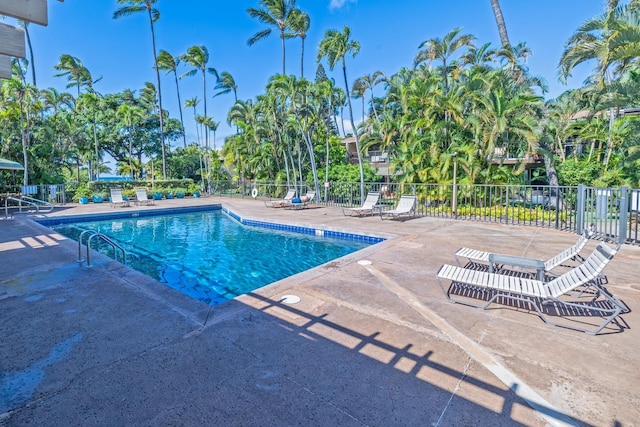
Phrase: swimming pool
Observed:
(212, 256)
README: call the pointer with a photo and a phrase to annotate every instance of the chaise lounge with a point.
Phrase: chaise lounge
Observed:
(469, 286)
(116, 198)
(283, 202)
(141, 197)
(478, 258)
(406, 207)
(367, 207)
(302, 202)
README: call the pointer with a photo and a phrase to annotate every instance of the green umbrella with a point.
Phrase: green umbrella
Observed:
(10, 165)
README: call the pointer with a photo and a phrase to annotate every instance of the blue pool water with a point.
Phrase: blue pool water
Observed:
(211, 257)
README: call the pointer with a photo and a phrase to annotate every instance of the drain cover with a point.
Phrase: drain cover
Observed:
(290, 299)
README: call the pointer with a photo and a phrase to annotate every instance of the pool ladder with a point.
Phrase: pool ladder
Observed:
(98, 235)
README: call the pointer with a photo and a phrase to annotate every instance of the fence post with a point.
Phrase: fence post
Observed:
(557, 208)
(454, 196)
(506, 211)
(580, 205)
(624, 213)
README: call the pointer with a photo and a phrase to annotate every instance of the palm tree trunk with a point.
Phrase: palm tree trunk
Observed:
(95, 143)
(155, 63)
(302, 61)
(502, 27)
(184, 134)
(609, 148)
(33, 64)
(353, 127)
(283, 53)
(204, 88)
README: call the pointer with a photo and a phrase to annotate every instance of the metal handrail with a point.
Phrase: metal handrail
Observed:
(103, 237)
(49, 205)
(36, 203)
(19, 200)
(80, 259)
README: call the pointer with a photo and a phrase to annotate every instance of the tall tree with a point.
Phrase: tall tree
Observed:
(169, 63)
(369, 82)
(131, 116)
(137, 6)
(502, 27)
(599, 39)
(335, 46)
(193, 103)
(198, 57)
(226, 84)
(300, 24)
(275, 13)
(32, 62)
(77, 74)
(443, 49)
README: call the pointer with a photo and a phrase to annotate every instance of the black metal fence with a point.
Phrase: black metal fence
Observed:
(611, 212)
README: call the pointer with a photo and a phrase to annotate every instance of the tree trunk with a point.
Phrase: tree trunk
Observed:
(184, 134)
(302, 60)
(155, 64)
(33, 64)
(502, 27)
(353, 127)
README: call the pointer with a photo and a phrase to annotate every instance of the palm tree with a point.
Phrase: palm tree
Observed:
(226, 84)
(130, 115)
(136, 6)
(370, 81)
(275, 13)
(515, 58)
(335, 46)
(502, 27)
(91, 104)
(55, 100)
(193, 103)
(23, 95)
(300, 24)
(169, 63)
(598, 39)
(198, 57)
(212, 126)
(443, 49)
(77, 74)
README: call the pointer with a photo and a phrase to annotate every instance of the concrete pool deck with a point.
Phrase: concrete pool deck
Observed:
(367, 345)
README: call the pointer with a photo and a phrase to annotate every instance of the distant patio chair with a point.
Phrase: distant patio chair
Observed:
(367, 207)
(116, 198)
(406, 207)
(141, 197)
(304, 201)
(283, 202)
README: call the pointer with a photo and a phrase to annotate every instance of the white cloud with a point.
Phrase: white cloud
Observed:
(338, 4)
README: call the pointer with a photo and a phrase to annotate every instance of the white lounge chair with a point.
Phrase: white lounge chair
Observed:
(478, 257)
(304, 201)
(367, 207)
(141, 197)
(406, 207)
(116, 198)
(281, 203)
(469, 285)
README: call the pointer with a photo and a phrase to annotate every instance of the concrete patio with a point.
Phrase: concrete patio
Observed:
(367, 345)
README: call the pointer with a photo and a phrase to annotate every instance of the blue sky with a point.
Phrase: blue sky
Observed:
(389, 32)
